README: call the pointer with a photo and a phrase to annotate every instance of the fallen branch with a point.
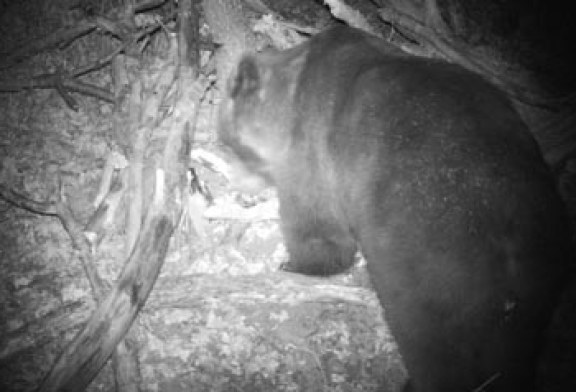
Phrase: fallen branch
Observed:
(351, 16)
(64, 36)
(62, 83)
(61, 37)
(436, 37)
(92, 347)
(65, 83)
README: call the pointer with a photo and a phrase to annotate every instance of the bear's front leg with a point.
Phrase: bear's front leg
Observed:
(316, 242)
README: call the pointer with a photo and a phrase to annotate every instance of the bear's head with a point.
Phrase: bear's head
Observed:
(256, 116)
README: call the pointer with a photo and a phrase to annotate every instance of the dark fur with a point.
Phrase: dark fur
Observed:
(429, 170)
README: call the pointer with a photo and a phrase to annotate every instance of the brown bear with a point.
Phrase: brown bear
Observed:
(426, 169)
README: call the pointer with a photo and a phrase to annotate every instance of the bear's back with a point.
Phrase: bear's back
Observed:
(449, 197)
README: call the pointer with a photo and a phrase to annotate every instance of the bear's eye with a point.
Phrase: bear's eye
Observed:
(247, 80)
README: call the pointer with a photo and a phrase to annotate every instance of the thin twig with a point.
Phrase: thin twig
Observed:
(60, 210)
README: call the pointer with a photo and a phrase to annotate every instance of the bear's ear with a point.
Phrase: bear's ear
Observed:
(247, 80)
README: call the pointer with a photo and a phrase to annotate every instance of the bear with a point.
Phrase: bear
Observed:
(427, 170)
